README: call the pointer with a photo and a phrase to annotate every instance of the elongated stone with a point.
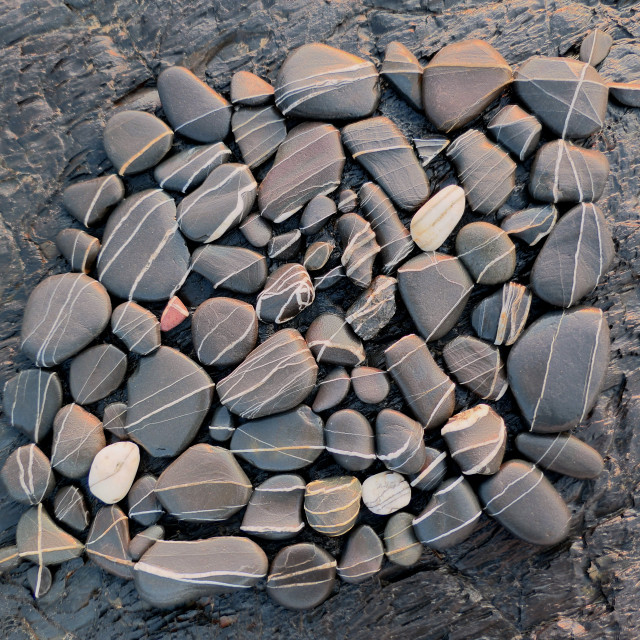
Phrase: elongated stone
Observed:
(330, 278)
(287, 292)
(96, 373)
(477, 366)
(401, 69)
(525, 503)
(258, 131)
(557, 367)
(137, 327)
(90, 200)
(108, 542)
(374, 308)
(204, 484)
(347, 201)
(143, 504)
(27, 476)
(563, 172)
(350, 440)
(234, 268)
(286, 442)
(576, 255)
(114, 419)
(435, 288)
(516, 130)
(64, 313)
(359, 248)
(176, 572)
(113, 470)
(401, 545)
(429, 147)
(40, 580)
(144, 540)
(276, 376)
(460, 81)
(381, 148)
(308, 163)
(317, 255)
(332, 390)
(79, 248)
(169, 396)
(285, 245)
(532, 224)
(332, 341)
(487, 173)
(193, 108)
(316, 214)
(595, 47)
(362, 556)
(317, 81)
(69, 508)
(143, 256)
(626, 93)
(370, 385)
(332, 505)
(301, 577)
(173, 315)
(385, 493)
(256, 230)
(250, 90)
(399, 442)
(188, 169)
(31, 400)
(391, 234)
(427, 390)
(274, 511)
(450, 517)
(432, 472)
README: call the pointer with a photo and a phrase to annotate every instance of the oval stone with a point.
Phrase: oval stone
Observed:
(370, 385)
(386, 492)
(402, 546)
(27, 476)
(317, 255)
(96, 373)
(287, 292)
(350, 440)
(113, 470)
(332, 505)
(316, 214)
(332, 390)
(362, 556)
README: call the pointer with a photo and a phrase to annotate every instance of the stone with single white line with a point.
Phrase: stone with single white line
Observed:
(316, 214)
(370, 385)
(285, 245)
(595, 47)
(256, 230)
(250, 90)
(144, 540)
(350, 440)
(317, 255)
(222, 424)
(40, 580)
(332, 390)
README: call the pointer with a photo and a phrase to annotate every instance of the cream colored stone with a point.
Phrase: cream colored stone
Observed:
(437, 218)
(113, 471)
(385, 493)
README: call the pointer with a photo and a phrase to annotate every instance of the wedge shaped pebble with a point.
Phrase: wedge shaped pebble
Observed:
(137, 327)
(401, 69)
(532, 224)
(332, 341)
(256, 230)
(144, 506)
(350, 440)
(316, 214)
(69, 507)
(432, 472)
(114, 419)
(516, 130)
(399, 442)
(429, 147)
(250, 90)
(144, 540)
(258, 131)
(332, 390)
(90, 200)
(595, 47)
(40, 580)
(285, 245)
(626, 93)
(108, 542)
(362, 556)
(234, 268)
(347, 201)
(332, 505)
(359, 248)
(173, 315)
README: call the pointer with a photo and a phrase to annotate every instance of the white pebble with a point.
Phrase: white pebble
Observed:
(385, 493)
(437, 218)
(113, 470)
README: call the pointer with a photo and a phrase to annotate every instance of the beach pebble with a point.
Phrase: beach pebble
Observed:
(285, 245)
(302, 576)
(626, 93)
(136, 141)
(193, 108)
(287, 292)
(370, 385)
(532, 224)
(144, 540)
(399, 442)
(203, 484)
(274, 511)
(222, 425)
(429, 147)
(330, 278)
(108, 542)
(525, 503)
(9, 559)
(516, 130)
(332, 505)
(256, 230)
(374, 308)
(63, 314)
(362, 556)
(359, 248)
(79, 248)
(401, 544)
(286, 442)
(137, 327)
(143, 504)
(347, 201)
(69, 507)
(173, 315)
(113, 470)
(31, 400)
(250, 90)
(557, 367)
(595, 47)
(450, 517)
(276, 376)
(432, 472)
(258, 132)
(349, 439)
(89, 201)
(40, 580)
(385, 493)
(402, 70)
(317, 255)
(316, 214)
(27, 476)
(114, 419)
(332, 390)
(332, 341)
(96, 372)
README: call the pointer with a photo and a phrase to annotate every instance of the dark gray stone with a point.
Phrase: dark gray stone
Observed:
(108, 542)
(222, 425)
(347, 201)
(331, 278)
(90, 200)
(370, 385)
(331, 505)
(69, 508)
(137, 327)
(595, 47)
(432, 472)
(350, 440)
(114, 419)
(27, 476)
(256, 230)
(532, 224)
(317, 255)
(362, 556)
(359, 248)
(429, 147)
(402, 70)
(399, 442)
(626, 93)
(79, 248)
(316, 214)
(40, 580)
(332, 341)
(250, 90)
(96, 372)
(516, 130)
(144, 506)
(402, 547)
(285, 245)
(374, 308)
(258, 132)
(144, 540)
(287, 292)
(332, 390)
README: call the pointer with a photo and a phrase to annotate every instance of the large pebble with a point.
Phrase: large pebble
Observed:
(532, 224)
(362, 556)
(27, 476)
(402, 70)
(332, 390)
(350, 440)
(317, 255)
(90, 200)
(316, 214)
(69, 508)
(370, 385)
(402, 546)
(287, 292)
(359, 248)
(144, 506)
(250, 90)
(332, 504)
(432, 472)
(258, 132)
(108, 542)
(113, 470)
(385, 493)
(399, 442)
(96, 373)
(332, 341)
(595, 47)
(374, 308)
(438, 217)
(516, 130)
(137, 327)
(79, 248)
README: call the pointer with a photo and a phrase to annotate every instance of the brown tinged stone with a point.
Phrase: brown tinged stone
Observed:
(516, 130)
(258, 131)
(173, 315)
(108, 542)
(399, 442)
(316, 214)
(89, 201)
(332, 505)
(79, 248)
(285, 245)
(250, 90)
(402, 70)
(144, 540)
(595, 47)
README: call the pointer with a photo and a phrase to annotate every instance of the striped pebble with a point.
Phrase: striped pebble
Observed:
(113, 470)
(432, 472)
(9, 559)
(330, 278)
(27, 476)
(40, 580)
(144, 540)
(429, 147)
(79, 248)
(350, 440)
(90, 200)
(316, 214)
(137, 327)
(317, 255)
(516, 130)
(143, 504)
(69, 507)
(362, 556)
(370, 385)
(332, 390)
(250, 90)
(285, 245)
(287, 292)
(532, 224)
(108, 542)
(401, 545)
(258, 131)
(385, 493)
(374, 308)
(222, 425)
(114, 419)
(402, 70)
(332, 505)
(399, 442)
(359, 248)
(332, 341)
(347, 201)
(96, 372)
(256, 230)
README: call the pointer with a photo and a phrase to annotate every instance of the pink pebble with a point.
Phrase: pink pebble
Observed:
(174, 313)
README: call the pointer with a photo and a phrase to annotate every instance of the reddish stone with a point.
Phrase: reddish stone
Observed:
(174, 313)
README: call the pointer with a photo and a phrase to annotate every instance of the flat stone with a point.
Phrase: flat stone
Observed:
(176, 572)
(40, 580)
(347, 201)
(173, 315)
(308, 163)
(362, 556)
(258, 131)
(77, 439)
(567, 95)
(285, 245)
(96, 372)
(136, 141)
(69, 507)
(250, 90)
(113, 471)
(332, 341)
(204, 484)
(27, 476)
(286, 442)
(222, 425)
(532, 224)
(302, 576)
(193, 108)
(563, 172)
(450, 517)
(330, 278)
(461, 81)
(221, 203)
(385, 493)
(256, 230)
(487, 252)
(316, 214)
(114, 419)
(391, 234)
(332, 390)
(429, 147)
(317, 255)
(374, 308)
(31, 400)
(234, 268)
(142, 501)
(399, 442)
(525, 503)
(144, 540)
(370, 385)
(359, 248)
(332, 504)
(435, 288)
(427, 390)
(477, 366)
(169, 397)
(402, 70)
(276, 376)
(516, 130)
(108, 542)
(487, 173)
(438, 217)
(350, 440)
(626, 93)
(557, 367)
(432, 472)
(287, 292)
(501, 317)
(79, 248)
(575, 256)
(595, 47)
(274, 511)
(381, 148)
(402, 546)
(89, 201)
(9, 559)
(188, 169)
(63, 314)
(561, 453)
(317, 81)
(137, 327)
(144, 257)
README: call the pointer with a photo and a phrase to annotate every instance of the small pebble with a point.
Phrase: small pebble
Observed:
(222, 425)
(429, 147)
(40, 580)
(359, 248)
(113, 470)
(332, 341)
(349, 439)
(114, 419)
(250, 90)
(329, 279)
(332, 504)
(143, 541)
(385, 493)
(432, 472)
(332, 390)
(108, 542)
(90, 200)
(258, 132)
(285, 246)
(317, 255)
(532, 224)
(370, 385)
(69, 507)
(79, 248)
(143, 504)
(399, 442)
(256, 230)
(402, 70)
(402, 547)
(174, 314)
(516, 130)
(347, 201)
(316, 215)
(27, 476)
(96, 373)
(374, 308)
(595, 47)
(137, 327)
(362, 556)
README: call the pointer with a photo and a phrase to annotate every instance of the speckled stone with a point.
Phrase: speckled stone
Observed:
(89, 201)
(40, 580)
(316, 214)
(79, 248)
(385, 493)
(432, 472)
(332, 505)
(332, 390)
(374, 308)
(96, 372)
(258, 131)
(285, 245)
(108, 542)
(359, 248)
(516, 130)
(27, 476)
(114, 419)
(350, 440)
(429, 147)
(532, 224)
(332, 341)
(402, 70)
(317, 255)
(402, 546)
(595, 47)
(137, 327)
(287, 292)
(250, 90)
(399, 442)
(113, 471)
(370, 385)
(69, 508)
(256, 230)
(143, 504)
(362, 556)
(144, 540)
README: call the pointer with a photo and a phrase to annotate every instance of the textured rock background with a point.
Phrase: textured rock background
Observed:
(65, 65)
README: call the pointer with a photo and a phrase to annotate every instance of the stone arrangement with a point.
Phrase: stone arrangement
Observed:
(325, 421)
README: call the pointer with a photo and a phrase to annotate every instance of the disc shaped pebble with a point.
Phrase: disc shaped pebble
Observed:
(399, 442)
(256, 230)
(317, 255)
(222, 424)
(332, 341)
(144, 540)
(359, 248)
(595, 47)
(113, 471)
(285, 245)
(27, 476)
(114, 419)
(557, 367)
(137, 327)
(40, 580)
(362, 556)
(204, 484)
(90, 200)
(429, 147)
(332, 504)
(374, 308)
(516, 130)
(234, 268)
(626, 93)
(349, 439)
(370, 385)
(525, 503)
(258, 132)
(250, 90)
(63, 314)
(96, 372)
(79, 248)
(169, 396)
(432, 472)
(401, 545)
(332, 390)
(144, 506)
(69, 507)
(438, 217)
(401, 69)
(385, 493)
(316, 214)
(287, 292)
(532, 224)
(108, 542)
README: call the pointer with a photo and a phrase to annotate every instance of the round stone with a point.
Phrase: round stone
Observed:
(350, 440)
(287, 292)
(96, 373)
(370, 385)
(332, 505)
(385, 493)
(316, 214)
(113, 471)
(27, 475)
